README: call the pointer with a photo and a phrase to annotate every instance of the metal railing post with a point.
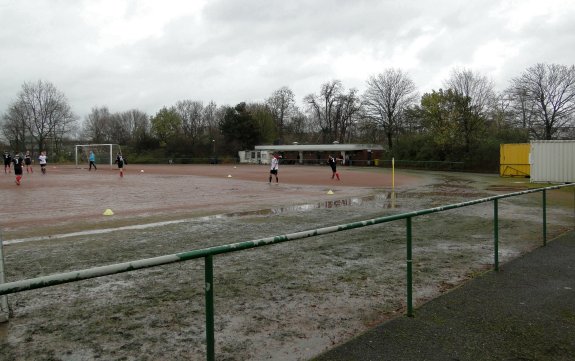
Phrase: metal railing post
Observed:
(544, 217)
(495, 235)
(4, 311)
(409, 270)
(209, 279)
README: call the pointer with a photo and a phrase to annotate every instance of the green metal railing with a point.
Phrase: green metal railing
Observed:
(209, 253)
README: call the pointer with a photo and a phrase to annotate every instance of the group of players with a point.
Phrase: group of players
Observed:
(20, 160)
(274, 167)
(120, 161)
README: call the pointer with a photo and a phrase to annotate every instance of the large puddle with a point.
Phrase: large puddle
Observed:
(379, 200)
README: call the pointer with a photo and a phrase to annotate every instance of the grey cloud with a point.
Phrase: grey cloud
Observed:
(243, 50)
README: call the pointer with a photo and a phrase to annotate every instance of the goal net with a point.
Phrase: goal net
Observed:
(105, 153)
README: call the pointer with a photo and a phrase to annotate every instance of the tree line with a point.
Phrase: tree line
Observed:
(465, 120)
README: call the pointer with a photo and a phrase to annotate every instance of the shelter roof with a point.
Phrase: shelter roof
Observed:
(319, 147)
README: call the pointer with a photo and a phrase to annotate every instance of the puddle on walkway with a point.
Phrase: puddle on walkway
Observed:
(379, 200)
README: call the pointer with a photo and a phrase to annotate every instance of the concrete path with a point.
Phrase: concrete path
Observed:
(526, 311)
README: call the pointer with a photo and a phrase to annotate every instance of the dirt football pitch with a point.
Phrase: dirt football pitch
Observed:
(289, 301)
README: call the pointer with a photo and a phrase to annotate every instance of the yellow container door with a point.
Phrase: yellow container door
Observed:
(514, 160)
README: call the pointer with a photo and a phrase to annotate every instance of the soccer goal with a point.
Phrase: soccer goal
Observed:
(105, 153)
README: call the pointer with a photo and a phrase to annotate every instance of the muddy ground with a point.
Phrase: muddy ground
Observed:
(289, 301)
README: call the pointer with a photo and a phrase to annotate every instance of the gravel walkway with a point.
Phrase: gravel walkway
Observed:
(526, 311)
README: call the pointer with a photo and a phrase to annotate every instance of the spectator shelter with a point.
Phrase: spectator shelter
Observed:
(348, 154)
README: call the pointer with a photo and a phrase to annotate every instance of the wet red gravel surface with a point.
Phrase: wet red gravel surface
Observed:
(69, 199)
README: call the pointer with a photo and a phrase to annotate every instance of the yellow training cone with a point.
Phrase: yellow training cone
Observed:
(330, 192)
(108, 212)
(229, 175)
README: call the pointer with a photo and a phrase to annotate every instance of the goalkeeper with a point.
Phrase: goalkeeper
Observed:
(92, 159)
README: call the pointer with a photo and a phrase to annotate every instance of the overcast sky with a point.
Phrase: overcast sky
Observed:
(149, 54)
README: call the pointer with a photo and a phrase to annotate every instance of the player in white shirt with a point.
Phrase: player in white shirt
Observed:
(42, 160)
(274, 167)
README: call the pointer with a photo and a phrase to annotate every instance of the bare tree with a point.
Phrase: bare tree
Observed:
(136, 120)
(125, 126)
(42, 112)
(502, 113)
(515, 111)
(193, 122)
(98, 125)
(140, 125)
(298, 127)
(211, 120)
(549, 91)
(387, 96)
(101, 126)
(477, 88)
(348, 107)
(476, 102)
(322, 108)
(281, 105)
(522, 110)
(14, 126)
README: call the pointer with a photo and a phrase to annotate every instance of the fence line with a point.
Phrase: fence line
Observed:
(208, 253)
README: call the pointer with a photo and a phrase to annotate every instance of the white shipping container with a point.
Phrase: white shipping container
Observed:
(552, 161)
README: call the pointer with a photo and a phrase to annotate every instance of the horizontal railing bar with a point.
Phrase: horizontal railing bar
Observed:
(61, 278)
(420, 161)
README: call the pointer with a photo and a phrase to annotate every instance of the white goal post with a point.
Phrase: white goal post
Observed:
(105, 153)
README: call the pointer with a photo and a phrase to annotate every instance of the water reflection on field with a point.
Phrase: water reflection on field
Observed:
(379, 200)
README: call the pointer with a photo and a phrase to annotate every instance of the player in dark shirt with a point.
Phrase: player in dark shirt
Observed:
(18, 160)
(120, 161)
(28, 162)
(333, 164)
(7, 161)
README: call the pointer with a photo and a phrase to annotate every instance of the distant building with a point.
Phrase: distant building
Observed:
(350, 154)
